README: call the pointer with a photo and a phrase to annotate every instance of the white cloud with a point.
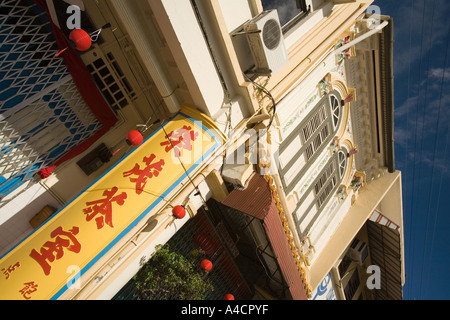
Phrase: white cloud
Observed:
(420, 125)
(287, 9)
(405, 107)
(439, 73)
(417, 32)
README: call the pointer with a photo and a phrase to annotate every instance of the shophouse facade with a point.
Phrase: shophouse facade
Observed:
(273, 133)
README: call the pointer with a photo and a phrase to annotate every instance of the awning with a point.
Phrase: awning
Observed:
(85, 229)
(385, 252)
(257, 201)
(378, 217)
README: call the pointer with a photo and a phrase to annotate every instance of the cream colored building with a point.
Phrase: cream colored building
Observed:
(318, 93)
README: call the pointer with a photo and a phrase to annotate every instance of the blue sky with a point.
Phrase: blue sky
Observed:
(422, 95)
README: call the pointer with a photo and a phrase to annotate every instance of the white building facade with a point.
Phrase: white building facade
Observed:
(322, 137)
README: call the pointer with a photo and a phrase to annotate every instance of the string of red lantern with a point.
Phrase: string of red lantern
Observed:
(206, 265)
(81, 39)
(228, 296)
(134, 138)
(179, 212)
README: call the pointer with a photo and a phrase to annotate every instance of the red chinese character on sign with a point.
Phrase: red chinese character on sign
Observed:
(7, 271)
(52, 250)
(29, 288)
(152, 169)
(104, 207)
(180, 139)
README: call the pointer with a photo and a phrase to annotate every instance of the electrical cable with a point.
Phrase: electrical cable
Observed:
(266, 130)
(184, 168)
(439, 197)
(421, 152)
(434, 159)
(267, 92)
(154, 111)
(412, 197)
(408, 115)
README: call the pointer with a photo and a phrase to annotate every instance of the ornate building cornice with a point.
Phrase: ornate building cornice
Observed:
(371, 73)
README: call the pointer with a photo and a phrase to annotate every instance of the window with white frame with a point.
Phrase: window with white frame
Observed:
(342, 158)
(319, 193)
(335, 104)
(289, 11)
(309, 139)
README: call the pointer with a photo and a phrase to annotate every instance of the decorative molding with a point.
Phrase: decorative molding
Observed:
(348, 53)
(325, 86)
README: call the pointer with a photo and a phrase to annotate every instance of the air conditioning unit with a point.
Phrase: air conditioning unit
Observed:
(238, 174)
(266, 42)
(358, 251)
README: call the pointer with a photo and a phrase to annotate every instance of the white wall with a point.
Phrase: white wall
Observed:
(235, 12)
(294, 103)
(304, 26)
(16, 214)
(184, 36)
(329, 221)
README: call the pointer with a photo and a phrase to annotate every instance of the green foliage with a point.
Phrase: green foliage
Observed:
(170, 276)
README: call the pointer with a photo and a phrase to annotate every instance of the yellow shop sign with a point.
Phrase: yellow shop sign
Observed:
(86, 228)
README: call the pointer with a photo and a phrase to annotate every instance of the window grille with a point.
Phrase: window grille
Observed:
(317, 142)
(343, 266)
(313, 133)
(111, 81)
(335, 109)
(326, 192)
(342, 158)
(313, 124)
(324, 177)
(352, 285)
(42, 114)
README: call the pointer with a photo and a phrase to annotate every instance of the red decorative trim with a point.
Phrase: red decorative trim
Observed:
(87, 88)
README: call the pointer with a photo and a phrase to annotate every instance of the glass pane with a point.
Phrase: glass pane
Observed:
(287, 9)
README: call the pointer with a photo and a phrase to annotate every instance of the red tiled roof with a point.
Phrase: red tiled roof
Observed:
(257, 201)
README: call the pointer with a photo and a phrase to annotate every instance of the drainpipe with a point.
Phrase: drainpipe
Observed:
(211, 51)
(336, 279)
(390, 111)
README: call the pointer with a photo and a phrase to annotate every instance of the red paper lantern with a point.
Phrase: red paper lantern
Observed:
(206, 265)
(179, 212)
(81, 39)
(205, 242)
(228, 296)
(134, 138)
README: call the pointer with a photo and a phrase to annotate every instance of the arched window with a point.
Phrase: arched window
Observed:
(303, 146)
(335, 105)
(319, 193)
(342, 159)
